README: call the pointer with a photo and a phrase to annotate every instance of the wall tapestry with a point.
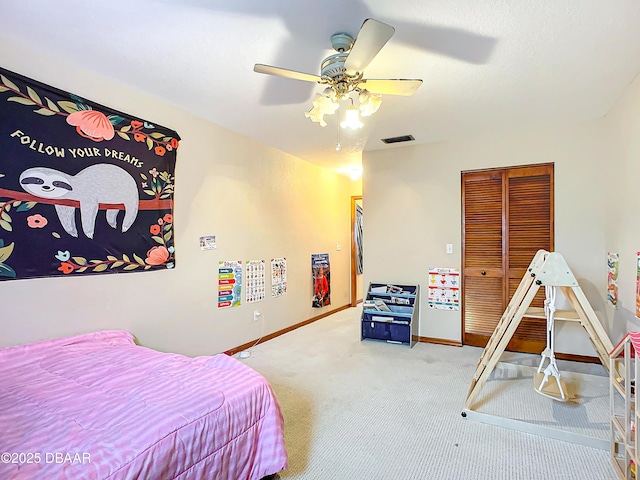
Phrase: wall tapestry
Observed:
(321, 280)
(84, 189)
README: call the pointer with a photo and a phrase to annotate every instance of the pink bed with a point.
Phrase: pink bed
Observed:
(98, 406)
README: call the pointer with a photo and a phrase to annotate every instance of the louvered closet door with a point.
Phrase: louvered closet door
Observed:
(529, 229)
(507, 218)
(483, 268)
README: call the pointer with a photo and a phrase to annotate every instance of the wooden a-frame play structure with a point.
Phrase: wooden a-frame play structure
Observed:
(548, 269)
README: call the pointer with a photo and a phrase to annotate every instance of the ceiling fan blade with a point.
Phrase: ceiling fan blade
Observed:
(283, 72)
(456, 43)
(373, 35)
(398, 86)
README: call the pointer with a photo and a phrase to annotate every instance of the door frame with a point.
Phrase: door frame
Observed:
(354, 276)
(506, 172)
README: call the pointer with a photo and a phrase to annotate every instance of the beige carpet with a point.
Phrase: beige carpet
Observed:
(583, 417)
(368, 410)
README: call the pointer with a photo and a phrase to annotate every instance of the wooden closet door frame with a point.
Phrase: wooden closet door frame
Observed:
(505, 173)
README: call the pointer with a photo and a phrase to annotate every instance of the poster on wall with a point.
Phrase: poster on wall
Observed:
(444, 288)
(84, 189)
(321, 273)
(255, 279)
(612, 278)
(278, 276)
(229, 283)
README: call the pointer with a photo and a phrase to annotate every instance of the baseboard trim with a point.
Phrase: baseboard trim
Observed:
(560, 356)
(437, 341)
(235, 350)
(440, 341)
(577, 358)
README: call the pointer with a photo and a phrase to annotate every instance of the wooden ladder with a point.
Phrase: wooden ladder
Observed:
(546, 269)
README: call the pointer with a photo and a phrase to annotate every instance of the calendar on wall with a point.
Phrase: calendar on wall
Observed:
(444, 288)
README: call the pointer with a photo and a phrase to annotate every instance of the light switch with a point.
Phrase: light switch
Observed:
(338, 247)
(449, 247)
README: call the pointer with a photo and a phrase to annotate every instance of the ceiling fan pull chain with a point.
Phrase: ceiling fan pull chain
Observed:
(338, 146)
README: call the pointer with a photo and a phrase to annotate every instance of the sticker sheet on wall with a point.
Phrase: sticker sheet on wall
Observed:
(444, 289)
(208, 242)
(84, 189)
(612, 278)
(278, 276)
(229, 283)
(255, 280)
(321, 272)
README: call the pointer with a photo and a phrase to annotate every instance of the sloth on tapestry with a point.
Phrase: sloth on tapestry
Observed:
(84, 189)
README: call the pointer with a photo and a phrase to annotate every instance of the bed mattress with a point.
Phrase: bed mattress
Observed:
(98, 406)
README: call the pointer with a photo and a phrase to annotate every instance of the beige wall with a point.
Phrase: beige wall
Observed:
(259, 202)
(621, 178)
(412, 199)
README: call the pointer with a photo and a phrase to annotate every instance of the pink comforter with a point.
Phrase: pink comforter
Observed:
(98, 406)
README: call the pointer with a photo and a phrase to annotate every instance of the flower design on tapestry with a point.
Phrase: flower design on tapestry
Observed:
(37, 221)
(161, 254)
(89, 123)
(92, 124)
(161, 184)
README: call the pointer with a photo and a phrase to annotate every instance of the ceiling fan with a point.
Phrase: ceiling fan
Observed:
(343, 73)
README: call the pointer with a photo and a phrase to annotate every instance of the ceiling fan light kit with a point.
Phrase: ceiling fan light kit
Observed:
(343, 74)
(328, 102)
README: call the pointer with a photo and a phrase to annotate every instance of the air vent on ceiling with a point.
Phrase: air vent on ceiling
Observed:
(403, 138)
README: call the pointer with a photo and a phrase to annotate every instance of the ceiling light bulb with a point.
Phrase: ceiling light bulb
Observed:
(369, 102)
(322, 105)
(355, 173)
(352, 119)
(331, 94)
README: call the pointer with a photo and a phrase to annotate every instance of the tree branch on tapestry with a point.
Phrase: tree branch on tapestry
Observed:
(154, 204)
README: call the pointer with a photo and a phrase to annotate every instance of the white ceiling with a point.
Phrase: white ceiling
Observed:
(485, 64)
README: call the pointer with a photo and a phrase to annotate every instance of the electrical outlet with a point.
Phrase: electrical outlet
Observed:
(256, 315)
(449, 247)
